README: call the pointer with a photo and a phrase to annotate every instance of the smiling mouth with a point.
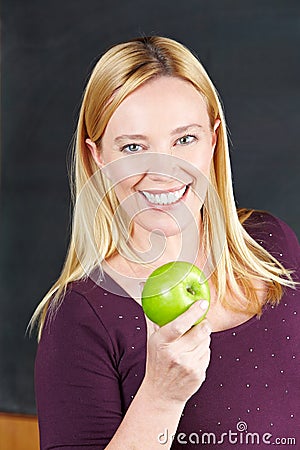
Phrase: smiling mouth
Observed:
(165, 198)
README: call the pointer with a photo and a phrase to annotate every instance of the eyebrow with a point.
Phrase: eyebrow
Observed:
(140, 137)
(185, 128)
(132, 137)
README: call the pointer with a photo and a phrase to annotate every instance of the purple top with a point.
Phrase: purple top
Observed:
(91, 360)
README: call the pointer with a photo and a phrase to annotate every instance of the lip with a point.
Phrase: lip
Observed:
(164, 191)
(165, 207)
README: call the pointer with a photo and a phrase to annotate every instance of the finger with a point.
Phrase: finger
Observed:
(197, 334)
(197, 340)
(197, 352)
(179, 326)
(196, 358)
(151, 327)
(204, 327)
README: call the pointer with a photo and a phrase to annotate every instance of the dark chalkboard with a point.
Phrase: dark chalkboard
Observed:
(251, 50)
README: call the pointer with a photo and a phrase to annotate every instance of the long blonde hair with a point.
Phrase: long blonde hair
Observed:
(120, 71)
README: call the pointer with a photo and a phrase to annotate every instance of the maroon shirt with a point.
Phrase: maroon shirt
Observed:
(91, 361)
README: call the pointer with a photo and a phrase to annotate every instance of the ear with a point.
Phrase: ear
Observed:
(214, 134)
(96, 154)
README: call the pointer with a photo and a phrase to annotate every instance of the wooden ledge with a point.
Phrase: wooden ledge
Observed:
(18, 432)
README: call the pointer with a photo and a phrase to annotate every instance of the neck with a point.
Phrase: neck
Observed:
(157, 249)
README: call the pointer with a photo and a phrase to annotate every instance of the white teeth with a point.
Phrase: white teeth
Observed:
(163, 198)
(167, 198)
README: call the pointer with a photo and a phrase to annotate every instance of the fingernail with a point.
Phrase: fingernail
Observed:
(204, 305)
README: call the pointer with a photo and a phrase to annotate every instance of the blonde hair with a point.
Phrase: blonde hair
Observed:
(95, 237)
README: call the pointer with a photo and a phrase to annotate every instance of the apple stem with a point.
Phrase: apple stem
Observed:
(190, 290)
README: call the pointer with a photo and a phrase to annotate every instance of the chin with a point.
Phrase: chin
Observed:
(162, 225)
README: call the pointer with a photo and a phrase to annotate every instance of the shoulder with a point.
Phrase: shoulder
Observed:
(73, 324)
(93, 313)
(108, 301)
(274, 234)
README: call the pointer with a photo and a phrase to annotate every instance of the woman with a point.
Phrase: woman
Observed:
(153, 185)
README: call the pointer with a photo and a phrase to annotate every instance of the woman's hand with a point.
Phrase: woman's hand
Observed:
(178, 356)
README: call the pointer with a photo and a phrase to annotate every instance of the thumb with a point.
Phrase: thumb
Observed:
(179, 326)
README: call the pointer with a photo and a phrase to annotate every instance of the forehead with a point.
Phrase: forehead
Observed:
(168, 101)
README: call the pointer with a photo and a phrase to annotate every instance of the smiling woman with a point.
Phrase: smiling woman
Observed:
(173, 118)
(152, 184)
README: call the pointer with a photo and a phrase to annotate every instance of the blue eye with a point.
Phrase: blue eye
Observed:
(185, 140)
(131, 148)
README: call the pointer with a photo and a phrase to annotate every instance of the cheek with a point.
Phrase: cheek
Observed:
(201, 159)
(122, 190)
(128, 197)
(125, 187)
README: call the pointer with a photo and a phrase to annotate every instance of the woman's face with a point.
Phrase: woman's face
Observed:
(156, 144)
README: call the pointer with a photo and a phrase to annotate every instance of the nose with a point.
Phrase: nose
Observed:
(157, 177)
(165, 168)
(160, 167)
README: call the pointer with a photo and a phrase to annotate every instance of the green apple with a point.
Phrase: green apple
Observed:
(171, 289)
